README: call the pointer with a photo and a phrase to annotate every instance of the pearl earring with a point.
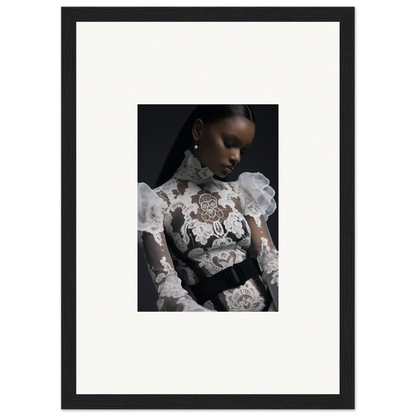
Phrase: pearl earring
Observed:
(196, 146)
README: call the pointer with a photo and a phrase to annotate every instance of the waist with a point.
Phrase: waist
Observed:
(229, 278)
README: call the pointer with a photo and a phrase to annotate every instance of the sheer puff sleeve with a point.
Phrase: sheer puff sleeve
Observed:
(151, 210)
(257, 203)
(256, 195)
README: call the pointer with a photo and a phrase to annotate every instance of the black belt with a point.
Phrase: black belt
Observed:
(228, 278)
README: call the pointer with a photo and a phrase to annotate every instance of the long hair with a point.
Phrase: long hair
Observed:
(208, 114)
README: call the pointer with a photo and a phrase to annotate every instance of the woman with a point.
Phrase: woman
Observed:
(205, 239)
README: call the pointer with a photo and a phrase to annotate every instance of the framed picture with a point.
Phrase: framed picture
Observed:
(123, 66)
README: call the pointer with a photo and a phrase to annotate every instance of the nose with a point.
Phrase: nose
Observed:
(235, 157)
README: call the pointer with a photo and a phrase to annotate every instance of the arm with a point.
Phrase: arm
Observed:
(151, 210)
(172, 296)
(257, 203)
(263, 249)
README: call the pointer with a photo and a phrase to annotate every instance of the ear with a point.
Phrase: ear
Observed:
(197, 129)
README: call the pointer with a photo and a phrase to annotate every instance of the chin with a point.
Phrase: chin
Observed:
(222, 174)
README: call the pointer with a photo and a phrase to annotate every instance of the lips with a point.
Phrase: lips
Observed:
(228, 168)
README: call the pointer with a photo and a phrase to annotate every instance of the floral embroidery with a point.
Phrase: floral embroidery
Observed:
(234, 224)
(167, 268)
(171, 288)
(200, 257)
(209, 208)
(269, 261)
(179, 242)
(211, 213)
(226, 194)
(218, 229)
(224, 259)
(202, 231)
(244, 298)
(221, 242)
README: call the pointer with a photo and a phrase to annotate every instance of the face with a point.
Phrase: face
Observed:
(222, 143)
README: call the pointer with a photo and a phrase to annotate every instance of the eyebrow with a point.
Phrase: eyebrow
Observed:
(235, 137)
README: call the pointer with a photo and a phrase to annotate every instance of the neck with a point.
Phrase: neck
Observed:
(192, 169)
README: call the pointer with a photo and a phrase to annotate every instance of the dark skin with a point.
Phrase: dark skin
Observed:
(222, 143)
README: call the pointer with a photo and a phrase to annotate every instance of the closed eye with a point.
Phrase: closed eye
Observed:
(229, 146)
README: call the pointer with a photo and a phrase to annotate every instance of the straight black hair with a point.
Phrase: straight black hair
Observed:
(208, 114)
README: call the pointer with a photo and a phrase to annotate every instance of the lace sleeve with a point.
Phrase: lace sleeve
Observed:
(263, 249)
(256, 197)
(172, 296)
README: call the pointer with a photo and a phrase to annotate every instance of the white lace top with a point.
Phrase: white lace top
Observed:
(215, 224)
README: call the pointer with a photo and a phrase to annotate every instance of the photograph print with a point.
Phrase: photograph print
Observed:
(207, 208)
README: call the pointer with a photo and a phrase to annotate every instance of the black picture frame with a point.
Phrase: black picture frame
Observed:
(69, 399)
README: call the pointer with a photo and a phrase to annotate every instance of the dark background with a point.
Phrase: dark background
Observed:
(158, 126)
